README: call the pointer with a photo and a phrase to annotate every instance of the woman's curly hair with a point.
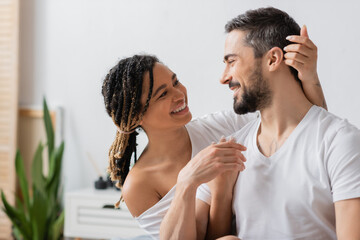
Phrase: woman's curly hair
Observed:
(122, 90)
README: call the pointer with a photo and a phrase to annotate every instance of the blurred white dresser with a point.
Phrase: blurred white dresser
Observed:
(86, 217)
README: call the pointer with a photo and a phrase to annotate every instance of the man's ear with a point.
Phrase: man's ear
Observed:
(274, 58)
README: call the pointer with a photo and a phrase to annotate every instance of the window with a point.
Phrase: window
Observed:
(9, 41)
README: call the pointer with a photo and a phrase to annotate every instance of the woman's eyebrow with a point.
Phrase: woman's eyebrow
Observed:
(159, 88)
(163, 85)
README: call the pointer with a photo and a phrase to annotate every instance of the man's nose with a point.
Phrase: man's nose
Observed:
(226, 77)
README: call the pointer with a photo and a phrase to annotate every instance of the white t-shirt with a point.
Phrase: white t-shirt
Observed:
(202, 131)
(291, 194)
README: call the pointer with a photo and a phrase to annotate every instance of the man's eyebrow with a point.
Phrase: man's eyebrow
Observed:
(159, 88)
(226, 57)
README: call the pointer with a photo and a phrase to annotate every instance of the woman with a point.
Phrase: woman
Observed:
(140, 92)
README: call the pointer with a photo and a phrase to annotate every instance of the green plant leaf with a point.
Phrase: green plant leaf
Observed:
(54, 181)
(35, 235)
(20, 172)
(39, 213)
(49, 129)
(57, 227)
(17, 233)
(26, 221)
(37, 169)
(8, 209)
(52, 169)
(19, 204)
(17, 217)
(58, 157)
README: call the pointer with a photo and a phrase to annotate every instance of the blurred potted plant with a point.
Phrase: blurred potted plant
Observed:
(38, 214)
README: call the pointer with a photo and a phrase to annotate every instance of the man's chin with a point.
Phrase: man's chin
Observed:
(240, 109)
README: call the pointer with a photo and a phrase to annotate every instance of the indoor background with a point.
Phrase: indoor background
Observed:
(67, 47)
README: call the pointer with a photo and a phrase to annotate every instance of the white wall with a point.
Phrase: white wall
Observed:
(67, 47)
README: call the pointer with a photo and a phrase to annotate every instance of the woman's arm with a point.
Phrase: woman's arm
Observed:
(180, 220)
(302, 55)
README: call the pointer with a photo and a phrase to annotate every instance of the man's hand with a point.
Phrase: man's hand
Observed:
(302, 55)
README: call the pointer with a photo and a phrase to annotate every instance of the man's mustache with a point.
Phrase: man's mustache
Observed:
(234, 83)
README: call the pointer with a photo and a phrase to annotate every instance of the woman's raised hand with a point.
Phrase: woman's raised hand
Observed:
(212, 161)
(224, 183)
(302, 55)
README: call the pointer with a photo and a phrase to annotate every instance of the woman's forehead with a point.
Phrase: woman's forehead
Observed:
(161, 74)
(160, 70)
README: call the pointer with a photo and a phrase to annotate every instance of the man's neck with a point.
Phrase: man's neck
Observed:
(288, 107)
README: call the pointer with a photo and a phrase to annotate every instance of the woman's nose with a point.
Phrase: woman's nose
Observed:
(179, 95)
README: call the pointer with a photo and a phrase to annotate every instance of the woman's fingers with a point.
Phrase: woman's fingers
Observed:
(296, 57)
(231, 159)
(231, 144)
(301, 49)
(302, 40)
(295, 64)
(304, 32)
(233, 167)
(229, 152)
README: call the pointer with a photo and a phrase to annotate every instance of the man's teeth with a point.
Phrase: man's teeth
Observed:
(180, 108)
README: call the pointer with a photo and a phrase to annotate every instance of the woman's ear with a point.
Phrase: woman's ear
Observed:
(274, 58)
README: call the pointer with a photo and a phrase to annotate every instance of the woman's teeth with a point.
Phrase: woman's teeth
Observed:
(180, 108)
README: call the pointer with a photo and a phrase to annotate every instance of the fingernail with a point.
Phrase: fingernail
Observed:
(288, 37)
(284, 48)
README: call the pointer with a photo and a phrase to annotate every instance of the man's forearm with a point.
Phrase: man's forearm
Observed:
(180, 222)
(220, 217)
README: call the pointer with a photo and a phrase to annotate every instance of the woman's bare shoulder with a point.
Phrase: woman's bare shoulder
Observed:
(139, 191)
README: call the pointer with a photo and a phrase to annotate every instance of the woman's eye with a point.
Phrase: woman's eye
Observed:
(176, 82)
(163, 94)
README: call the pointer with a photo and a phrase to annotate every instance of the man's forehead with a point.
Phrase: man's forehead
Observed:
(235, 44)
(235, 36)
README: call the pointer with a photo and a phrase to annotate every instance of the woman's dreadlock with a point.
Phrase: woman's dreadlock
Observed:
(122, 89)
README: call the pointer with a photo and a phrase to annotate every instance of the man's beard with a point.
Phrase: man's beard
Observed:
(256, 97)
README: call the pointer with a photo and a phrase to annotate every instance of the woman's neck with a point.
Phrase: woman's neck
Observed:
(168, 145)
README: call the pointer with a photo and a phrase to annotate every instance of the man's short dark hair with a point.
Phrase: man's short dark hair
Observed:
(266, 28)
